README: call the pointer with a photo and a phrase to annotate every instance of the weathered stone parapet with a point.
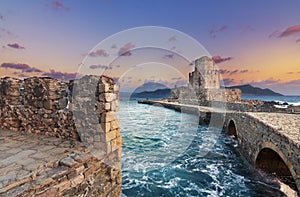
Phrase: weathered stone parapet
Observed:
(36, 105)
(83, 110)
(95, 102)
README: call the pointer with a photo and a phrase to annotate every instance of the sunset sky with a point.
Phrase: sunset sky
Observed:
(256, 42)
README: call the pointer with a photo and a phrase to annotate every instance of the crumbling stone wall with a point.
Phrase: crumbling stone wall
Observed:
(83, 110)
(36, 105)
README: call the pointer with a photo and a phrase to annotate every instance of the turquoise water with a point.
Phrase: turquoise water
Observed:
(166, 153)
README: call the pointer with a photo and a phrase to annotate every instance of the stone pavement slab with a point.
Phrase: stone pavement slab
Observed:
(22, 155)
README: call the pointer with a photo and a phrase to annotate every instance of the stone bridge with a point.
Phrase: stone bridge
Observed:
(268, 141)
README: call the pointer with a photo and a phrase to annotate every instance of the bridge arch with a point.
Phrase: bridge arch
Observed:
(231, 128)
(271, 160)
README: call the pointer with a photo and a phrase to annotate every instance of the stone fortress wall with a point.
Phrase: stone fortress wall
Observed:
(205, 85)
(82, 111)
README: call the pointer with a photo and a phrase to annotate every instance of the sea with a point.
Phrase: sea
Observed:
(166, 153)
(291, 100)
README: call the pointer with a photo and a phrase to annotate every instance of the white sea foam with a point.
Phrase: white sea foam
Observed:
(281, 106)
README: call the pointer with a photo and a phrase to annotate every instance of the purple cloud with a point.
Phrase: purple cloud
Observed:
(274, 34)
(126, 49)
(98, 67)
(228, 81)
(15, 66)
(290, 31)
(224, 71)
(32, 70)
(267, 82)
(218, 59)
(233, 72)
(169, 56)
(23, 67)
(244, 71)
(172, 39)
(1, 17)
(7, 32)
(16, 46)
(214, 31)
(63, 76)
(176, 78)
(292, 83)
(98, 53)
(58, 5)
(22, 75)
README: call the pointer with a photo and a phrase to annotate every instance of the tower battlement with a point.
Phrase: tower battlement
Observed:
(204, 64)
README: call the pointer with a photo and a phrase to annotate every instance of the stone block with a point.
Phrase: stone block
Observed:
(68, 161)
(114, 124)
(110, 135)
(108, 117)
(77, 180)
(116, 144)
(114, 105)
(51, 192)
(109, 97)
(116, 88)
(104, 87)
(64, 185)
(49, 104)
(105, 126)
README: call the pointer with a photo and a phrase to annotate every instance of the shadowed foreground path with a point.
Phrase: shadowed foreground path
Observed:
(48, 166)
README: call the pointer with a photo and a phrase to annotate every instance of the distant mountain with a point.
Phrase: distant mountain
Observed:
(149, 86)
(160, 93)
(255, 91)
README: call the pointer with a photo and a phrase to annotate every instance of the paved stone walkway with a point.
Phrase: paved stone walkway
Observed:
(21, 156)
(286, 124)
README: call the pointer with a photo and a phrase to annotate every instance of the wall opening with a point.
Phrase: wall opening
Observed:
(269, 161)
(231, 129)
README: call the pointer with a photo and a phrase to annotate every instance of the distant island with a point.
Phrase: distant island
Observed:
(157, 94)
(149, 87)
(247, 90)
